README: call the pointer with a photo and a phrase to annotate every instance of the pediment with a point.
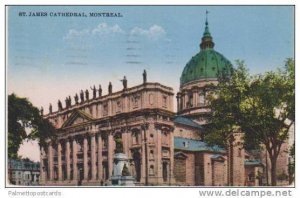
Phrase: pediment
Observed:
(218, 158)
(77, 117)
(180, 155)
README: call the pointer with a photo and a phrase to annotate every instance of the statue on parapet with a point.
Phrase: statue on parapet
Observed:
(124, 81)
(50, 108)
(67, 102)
(87, 94)
(81, 96)
(59, 105)
(94, 91)
(100, 91)
(70, 101)
(109, 88)
(144, 76)
(42, 111)
(76, 98)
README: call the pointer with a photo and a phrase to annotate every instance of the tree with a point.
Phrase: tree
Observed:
(224, 103)
(25, 123)
(225, 107)
(292, 164)
(262, 105)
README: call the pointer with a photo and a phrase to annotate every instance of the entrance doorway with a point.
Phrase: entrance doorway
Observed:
(137, 165)
(165, 171)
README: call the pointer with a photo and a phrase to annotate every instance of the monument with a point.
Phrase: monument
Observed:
(121, 175)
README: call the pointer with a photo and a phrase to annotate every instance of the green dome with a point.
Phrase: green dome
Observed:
(208, 63)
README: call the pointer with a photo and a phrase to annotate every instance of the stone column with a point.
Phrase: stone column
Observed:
(50, 161)
(125, 142)
(178, 102)
(171, 156)
(183, 101)
(42, 172)
(93, 156)
(158, 157)
(85, 158)
(100, 168)
(110, 154)
(195, 98)
(143, 164)
(59, 164)
(75, 169)
(67, 158)
(186, 96)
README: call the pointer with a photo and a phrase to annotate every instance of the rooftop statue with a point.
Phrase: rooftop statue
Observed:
(81, 96)
(87, 94)
(67, 102)
(76, 98)
(50, 108)
(100, 91)
(94, 91)
(144, 76)
(59, 105)
(109, 88)
(70, 101)
(42, 111)
(124, 82)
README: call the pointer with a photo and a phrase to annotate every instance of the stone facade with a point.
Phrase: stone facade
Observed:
(83, 152)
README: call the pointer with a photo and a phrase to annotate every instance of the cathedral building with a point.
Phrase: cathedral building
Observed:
(163, 147)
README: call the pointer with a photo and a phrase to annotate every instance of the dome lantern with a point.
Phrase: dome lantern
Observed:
(207, 40)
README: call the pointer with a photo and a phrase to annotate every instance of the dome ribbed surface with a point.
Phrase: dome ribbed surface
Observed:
(208, 63)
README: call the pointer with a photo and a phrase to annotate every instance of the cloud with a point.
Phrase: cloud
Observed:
(72, 33)
(103, 28)
(154, 32)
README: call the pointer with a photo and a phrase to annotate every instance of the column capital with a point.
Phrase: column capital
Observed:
(72, 139)
(194, 89)
(135, 128)
(92, 134)
(145, 126)
(85, 135)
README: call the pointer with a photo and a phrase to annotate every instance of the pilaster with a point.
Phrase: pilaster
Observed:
(74, 153)
(100, 159)
(67, 158)
(93, 156)
(50, 161)
(110, 154)
(85, 158)
(59, 164)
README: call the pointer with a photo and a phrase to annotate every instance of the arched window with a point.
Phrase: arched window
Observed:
(135, 137)
(190, 101)
(151, 154)
(151, 170)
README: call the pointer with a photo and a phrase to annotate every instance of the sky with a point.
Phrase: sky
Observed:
(49, 58)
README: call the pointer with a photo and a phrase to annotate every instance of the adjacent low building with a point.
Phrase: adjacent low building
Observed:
(23, 172)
